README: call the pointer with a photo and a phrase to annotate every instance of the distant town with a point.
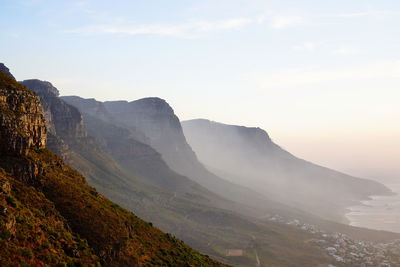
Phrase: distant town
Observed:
(346, 251)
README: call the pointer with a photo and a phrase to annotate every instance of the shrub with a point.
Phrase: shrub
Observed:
(11, 201)
(5, 234)
(27, 253)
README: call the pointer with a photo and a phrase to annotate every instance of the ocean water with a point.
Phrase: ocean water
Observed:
(380, 212)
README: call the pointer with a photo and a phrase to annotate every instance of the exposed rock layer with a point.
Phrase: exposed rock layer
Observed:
(21, 120)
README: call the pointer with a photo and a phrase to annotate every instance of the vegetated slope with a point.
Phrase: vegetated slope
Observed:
(41, 195)
(33, 232)
(247, 156)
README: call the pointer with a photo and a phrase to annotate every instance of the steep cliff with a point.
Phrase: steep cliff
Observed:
(56, 111)
(21, 119)
(63, 121)
(156, 119)
(38, 183)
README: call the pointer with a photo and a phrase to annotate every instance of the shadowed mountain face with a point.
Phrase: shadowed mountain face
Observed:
(158, 122)
(247, 156)
(50, 216)
(156, 119)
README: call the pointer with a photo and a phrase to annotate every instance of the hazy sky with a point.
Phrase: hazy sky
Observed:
(322, 77)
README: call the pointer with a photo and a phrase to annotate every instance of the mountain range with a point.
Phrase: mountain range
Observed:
(188, 179)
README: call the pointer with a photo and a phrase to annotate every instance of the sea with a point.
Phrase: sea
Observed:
(379, 212)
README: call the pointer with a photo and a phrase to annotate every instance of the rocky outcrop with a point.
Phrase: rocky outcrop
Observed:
(62, 119)
(64, 122)
(6, 71)
(22, 125)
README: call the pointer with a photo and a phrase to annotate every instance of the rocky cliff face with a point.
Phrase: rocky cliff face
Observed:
(120, 142)
(22, 125)
(98, 110)
(157, 120)
(64, 122)
(62, 119)
(6, 71)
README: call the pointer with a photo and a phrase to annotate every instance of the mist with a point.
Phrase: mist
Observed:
(374, 156)
(248, 156)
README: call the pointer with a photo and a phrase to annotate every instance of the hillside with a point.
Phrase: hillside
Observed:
(247, 156)
(50, 215)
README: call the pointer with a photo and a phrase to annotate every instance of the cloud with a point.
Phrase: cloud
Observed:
(189, 30)
(307, 46)
(352, 15)
(364, 14)
(83, 6)
(192, 29)
(294, 78)
(346, 51)
(284, 21)
(327, 47)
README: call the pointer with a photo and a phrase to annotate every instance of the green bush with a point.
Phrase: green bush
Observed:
(11, 201)
(27, 253)
(5, 234)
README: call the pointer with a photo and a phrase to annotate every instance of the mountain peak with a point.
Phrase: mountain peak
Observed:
(248, 133)
(150, 105)
(6, 71)
(41, 87)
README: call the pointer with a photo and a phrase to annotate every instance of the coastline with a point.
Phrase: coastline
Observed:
(377, 212)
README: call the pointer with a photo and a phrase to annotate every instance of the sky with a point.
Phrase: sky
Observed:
(322, 77)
